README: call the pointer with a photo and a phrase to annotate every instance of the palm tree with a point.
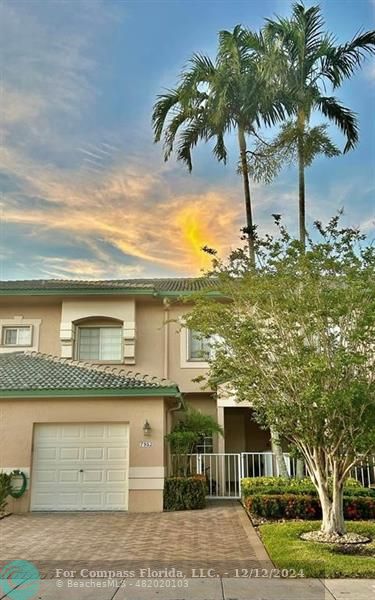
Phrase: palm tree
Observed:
(214, 99)
(309, 59)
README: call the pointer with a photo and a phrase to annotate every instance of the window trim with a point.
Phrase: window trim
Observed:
(20, 321)
(185, 363)
(6, 328)
(115, 361)
(189, 349)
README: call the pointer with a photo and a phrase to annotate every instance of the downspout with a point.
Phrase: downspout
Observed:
(166, 304)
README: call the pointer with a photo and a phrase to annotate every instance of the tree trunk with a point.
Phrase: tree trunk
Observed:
(332, 509)
(301, 175)
(301, 192)
(246, 186)
(278, 452)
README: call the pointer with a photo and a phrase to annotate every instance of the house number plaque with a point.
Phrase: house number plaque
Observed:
(145, 444)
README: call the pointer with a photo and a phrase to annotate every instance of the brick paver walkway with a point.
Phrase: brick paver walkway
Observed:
(219, 537)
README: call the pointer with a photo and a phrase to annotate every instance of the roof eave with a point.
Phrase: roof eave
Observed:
(93, 393)
(77, 292)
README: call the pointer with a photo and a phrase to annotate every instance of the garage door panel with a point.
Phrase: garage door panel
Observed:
(117, 453)
(46, 476)
(89, 476)
(69, 453)
(118, 430)
(116, 475)
(94, 431)
(45, 453)
(68, 500)
(87, 470)
(93, 453)
(71, 432)
(68, 476)
(52, 433)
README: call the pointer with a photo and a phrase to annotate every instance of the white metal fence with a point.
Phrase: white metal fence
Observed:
(365, 472)
(264, 464)
(223, 472)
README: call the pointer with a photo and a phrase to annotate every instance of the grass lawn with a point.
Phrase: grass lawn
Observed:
(288, 551)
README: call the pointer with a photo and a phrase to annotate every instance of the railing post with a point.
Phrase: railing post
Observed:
(199, 464)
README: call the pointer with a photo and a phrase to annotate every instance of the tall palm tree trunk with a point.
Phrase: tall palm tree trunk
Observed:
(246, 186)
(275, 440)
(301, 194)
(301, 178)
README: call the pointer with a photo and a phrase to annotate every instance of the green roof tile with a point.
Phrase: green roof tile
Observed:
(33, 372)
(159, 287)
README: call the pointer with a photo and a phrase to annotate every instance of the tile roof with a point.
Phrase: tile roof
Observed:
(33, 372)
(168, 286)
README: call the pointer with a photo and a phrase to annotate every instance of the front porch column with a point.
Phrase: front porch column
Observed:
(221, 438)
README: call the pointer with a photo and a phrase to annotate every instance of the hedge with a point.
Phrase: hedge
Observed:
(5, 486)
(283, 485)
(185, 493)
(303, 506)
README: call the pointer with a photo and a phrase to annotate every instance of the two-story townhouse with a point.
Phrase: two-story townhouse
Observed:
(93, 374)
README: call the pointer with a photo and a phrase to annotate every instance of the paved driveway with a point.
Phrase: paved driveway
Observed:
(219, 537)
(211, 554)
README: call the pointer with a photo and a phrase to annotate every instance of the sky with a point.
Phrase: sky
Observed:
(85, 193)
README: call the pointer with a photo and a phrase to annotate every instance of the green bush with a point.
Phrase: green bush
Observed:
(5, 484)
(303, 506)
(283, 485)
(184, 493)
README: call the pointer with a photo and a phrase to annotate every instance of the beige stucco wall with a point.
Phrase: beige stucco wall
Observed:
(48, 310)
(242, 432)
(146, 465)
(182, 375)
(155, 349)
(150, 338)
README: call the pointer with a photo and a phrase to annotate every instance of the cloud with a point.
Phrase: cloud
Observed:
(79, 202)
(75, 268)
(117, 207)
(133, 212)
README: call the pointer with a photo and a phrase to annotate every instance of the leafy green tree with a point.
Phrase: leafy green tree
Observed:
(215, 98)
(308, 60)
(296, 338)
(186, 434)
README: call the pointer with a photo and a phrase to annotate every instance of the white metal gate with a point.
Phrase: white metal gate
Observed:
(222, 472)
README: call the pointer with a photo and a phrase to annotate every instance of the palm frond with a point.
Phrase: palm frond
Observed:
(317, 141)
(165, 103)
(220, 150)
(345, 119)
(343, 60)
(196, 129)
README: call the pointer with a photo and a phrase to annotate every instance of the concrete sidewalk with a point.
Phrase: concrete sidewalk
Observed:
(199, 589)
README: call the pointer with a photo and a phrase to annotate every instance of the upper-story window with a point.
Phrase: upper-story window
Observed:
(17, 336)
(199, 347)
(100, 343)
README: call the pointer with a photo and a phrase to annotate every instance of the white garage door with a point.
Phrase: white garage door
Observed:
(80, 466)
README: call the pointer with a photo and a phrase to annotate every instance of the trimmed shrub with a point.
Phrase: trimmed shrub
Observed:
(287, 506)
(185, 493)
(358, 508)
(299, 506)
(5, 485)
(282, 485)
